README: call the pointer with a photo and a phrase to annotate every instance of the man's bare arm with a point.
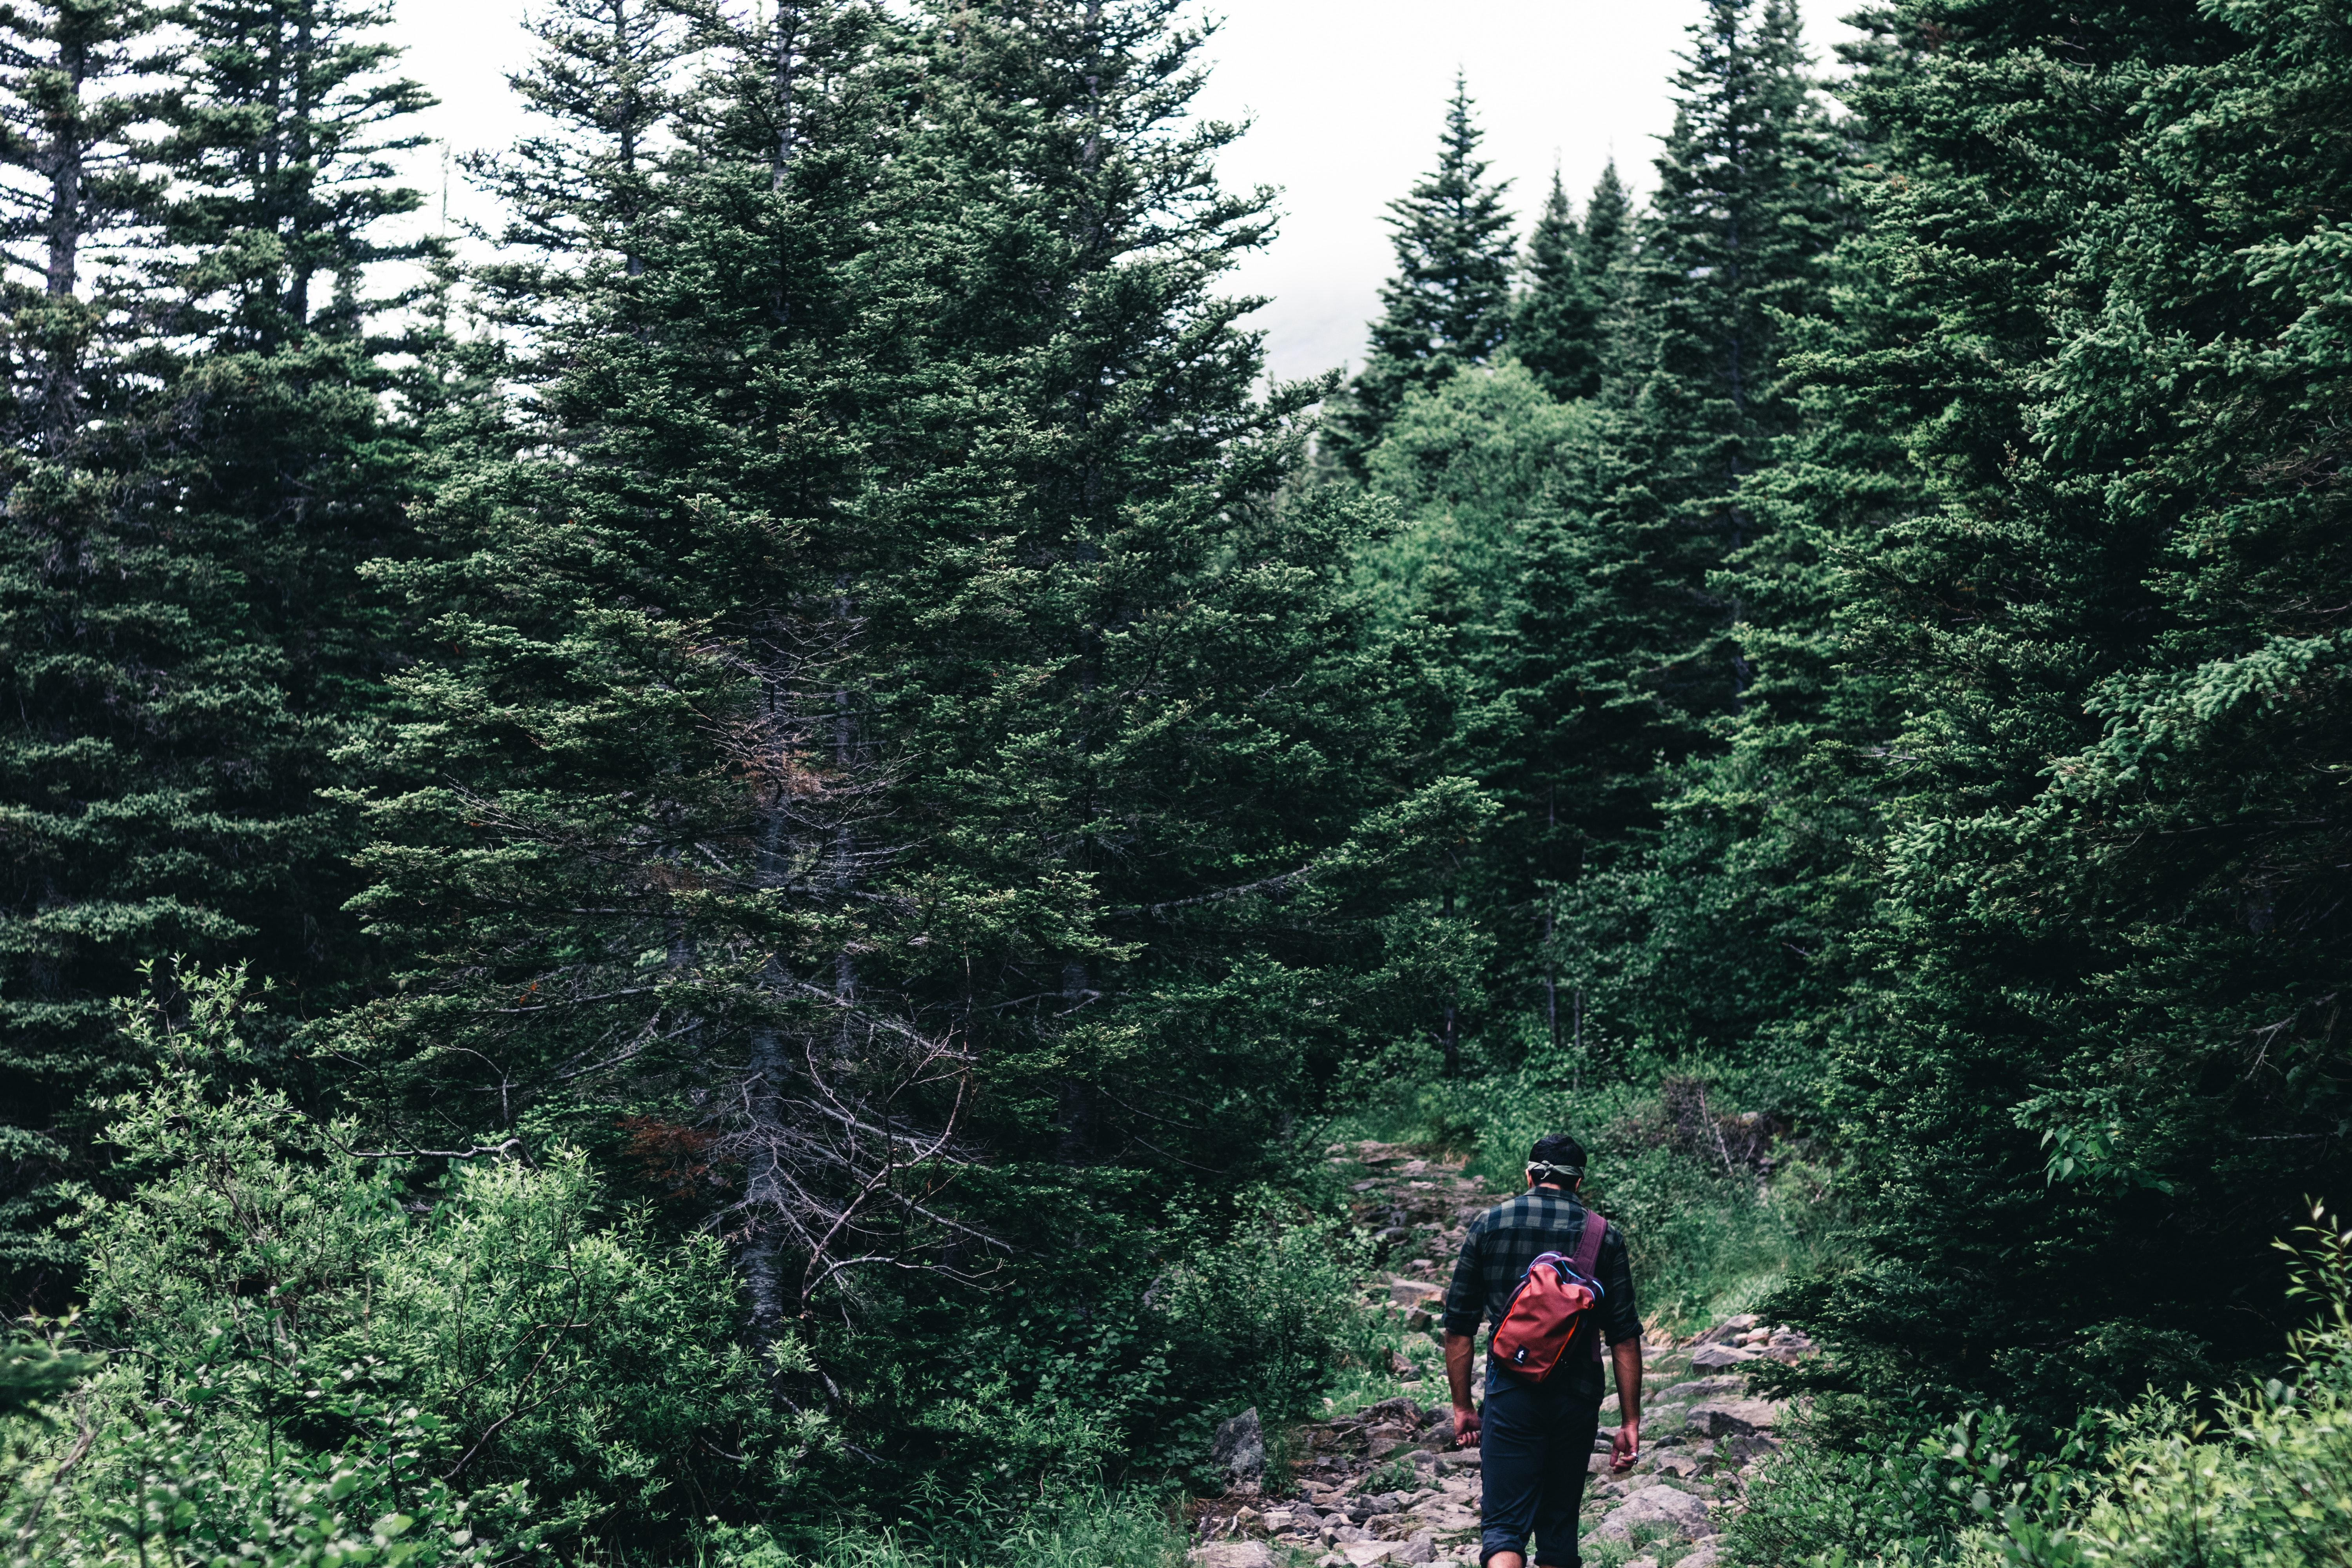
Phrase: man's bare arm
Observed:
(1626, 1446)
(1459, 1350)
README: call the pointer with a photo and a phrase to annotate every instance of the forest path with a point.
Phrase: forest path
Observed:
(1385, 1484)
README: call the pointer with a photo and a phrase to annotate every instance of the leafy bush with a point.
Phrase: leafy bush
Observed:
(2265, 1482)
(216, 1471)
(1266, 1317)
(1894, 1490)
(1130, 1381)
(548, 1340)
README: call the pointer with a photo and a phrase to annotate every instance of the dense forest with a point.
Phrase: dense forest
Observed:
(704, 887)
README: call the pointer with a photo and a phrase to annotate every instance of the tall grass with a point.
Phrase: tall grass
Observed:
(1092, 1529)
(1710, 1235)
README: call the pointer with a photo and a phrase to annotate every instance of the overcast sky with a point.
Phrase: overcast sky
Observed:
(1346, 96)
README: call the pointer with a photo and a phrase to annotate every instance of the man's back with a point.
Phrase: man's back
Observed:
(1506, 1238)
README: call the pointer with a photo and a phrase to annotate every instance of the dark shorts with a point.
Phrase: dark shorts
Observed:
(1535, 1448)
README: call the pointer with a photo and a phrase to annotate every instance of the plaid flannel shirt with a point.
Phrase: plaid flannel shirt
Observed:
(1505, 1239)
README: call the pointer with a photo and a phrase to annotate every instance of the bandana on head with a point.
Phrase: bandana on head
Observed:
(1542, 1172)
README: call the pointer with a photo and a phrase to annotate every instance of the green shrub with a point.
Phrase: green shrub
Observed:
(579, 1351)
(298, 1466)
(1266, 1317)
(1890, 1489)
(2263, 1482)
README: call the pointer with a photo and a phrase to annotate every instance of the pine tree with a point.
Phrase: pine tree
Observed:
(888, 741)
(1574, 275)
(1552, 328)
(1448, 307)
(2088, 1039)
(1736, 239)
(1607, 230)
(1616, 660)
(187, 635)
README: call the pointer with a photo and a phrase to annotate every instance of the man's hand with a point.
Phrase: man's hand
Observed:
(1465, 1426)
(1625, 1447)
(1459, 1348)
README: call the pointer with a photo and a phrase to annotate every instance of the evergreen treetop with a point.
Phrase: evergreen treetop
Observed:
(1448, 305)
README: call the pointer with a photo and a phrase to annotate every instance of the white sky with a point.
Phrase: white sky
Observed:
(1346, 96)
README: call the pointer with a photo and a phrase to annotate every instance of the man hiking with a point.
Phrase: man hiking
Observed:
(1535, 1439)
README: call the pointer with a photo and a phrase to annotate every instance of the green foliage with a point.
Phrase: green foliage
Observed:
(1267, 1318)
(212, 1458)
(550, 1341)
(1894, 1489)
(210, 436)
(2086, 1009)
(1575, 275)
(1082, 1529)
(2263, 1482)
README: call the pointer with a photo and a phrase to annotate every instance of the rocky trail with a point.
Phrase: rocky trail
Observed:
(1385, 1484)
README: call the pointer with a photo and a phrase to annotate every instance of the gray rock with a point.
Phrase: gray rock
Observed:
(1732, 1418)
(1708, 1356)
(1700, 1556)
(1422, 1548)
(1239, 1447)
(1234, 1554)
(1701, 1388)
(1657, 1505)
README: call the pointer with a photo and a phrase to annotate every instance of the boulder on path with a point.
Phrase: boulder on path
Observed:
(1657, 1505)
(1700, 1556)
(1708, 1356)
(1234, 1554)
(1729, 1329)
(1239, 1447)
(1732, 1418)
(1364, 1553)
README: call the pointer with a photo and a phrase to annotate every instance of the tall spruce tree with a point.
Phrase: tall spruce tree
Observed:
(1448, 306)
(1619, 657)
(896, 776)
(1552, 327)
(2096, 1032)
(186, 637)
(1574, 273)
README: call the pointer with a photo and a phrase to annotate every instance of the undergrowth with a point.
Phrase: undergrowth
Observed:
(1704, 1167)
(1135, 1528)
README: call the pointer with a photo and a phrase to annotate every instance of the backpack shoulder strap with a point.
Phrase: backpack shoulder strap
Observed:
(1588, 1243)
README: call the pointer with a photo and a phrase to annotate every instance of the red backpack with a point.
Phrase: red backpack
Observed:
(1549, 1305)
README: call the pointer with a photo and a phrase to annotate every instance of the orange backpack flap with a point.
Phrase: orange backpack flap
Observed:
(1549, 1305)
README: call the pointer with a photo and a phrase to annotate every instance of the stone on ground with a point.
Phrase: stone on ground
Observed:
(1733, 1417)
(1234, 1554)
(1657, 1505)
(1240, 1445)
